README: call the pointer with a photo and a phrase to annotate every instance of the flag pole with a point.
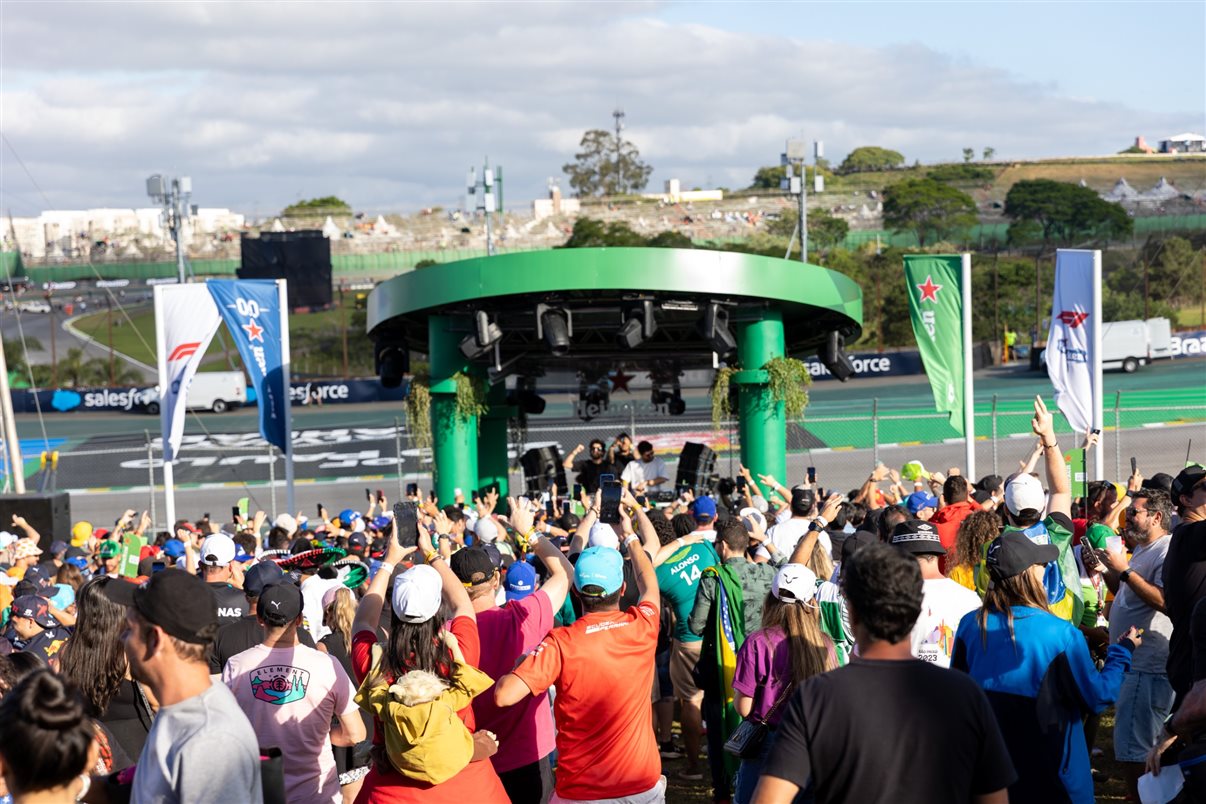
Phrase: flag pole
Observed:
(1095, 367)
(283, 296)
(969, 401)
(169, 490)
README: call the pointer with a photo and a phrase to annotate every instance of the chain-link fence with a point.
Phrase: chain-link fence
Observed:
(843, 446)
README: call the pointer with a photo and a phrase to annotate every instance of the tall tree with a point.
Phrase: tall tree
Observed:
(928, 208)
(969, 154)
(1058, 212)
(869, 157)
(602, 168)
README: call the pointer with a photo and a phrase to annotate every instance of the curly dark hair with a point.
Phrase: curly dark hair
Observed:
(883, 588)
(683, 524)
(664, 529)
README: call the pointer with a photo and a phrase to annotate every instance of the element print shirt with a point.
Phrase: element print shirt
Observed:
(290, 696)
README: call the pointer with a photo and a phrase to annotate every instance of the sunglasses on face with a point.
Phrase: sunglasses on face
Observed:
(1130, 512)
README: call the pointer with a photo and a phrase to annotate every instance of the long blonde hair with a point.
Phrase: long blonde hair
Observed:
(801, 625)
(820, 563)
(339, 615)
(1023, 589)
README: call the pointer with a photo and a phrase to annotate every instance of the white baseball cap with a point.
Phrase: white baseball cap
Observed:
(417, 594)
(751, 517)
(7, 539)
(485, 530)
(602, 535)
(795, 583)
(1022, 492)
(218, 550)
(286, 522)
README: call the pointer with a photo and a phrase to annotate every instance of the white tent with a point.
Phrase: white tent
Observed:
(1163, 191)
(277, 226)
(1122, 192)
(330, 230)
(382, 228)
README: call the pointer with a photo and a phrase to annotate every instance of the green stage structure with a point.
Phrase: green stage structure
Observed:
(596, 310)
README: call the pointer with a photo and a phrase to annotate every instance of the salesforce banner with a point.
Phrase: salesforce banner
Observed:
(94, 400)
(873, 364)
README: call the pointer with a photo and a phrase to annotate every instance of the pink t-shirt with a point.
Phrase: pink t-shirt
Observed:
(525, 730)
(290, 695)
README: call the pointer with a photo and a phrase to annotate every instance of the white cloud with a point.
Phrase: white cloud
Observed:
(388, 104)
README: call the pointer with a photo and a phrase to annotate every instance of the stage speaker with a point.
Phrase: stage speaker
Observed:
(48, 514)
(541, 468)
(696, 464)
(303, 258)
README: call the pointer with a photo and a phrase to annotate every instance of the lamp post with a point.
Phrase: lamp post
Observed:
(480, 197)
(794, 157)
(173, 195)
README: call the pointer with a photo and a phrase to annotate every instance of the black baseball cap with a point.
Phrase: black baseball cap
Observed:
(802, 500)
(259, 576)
(280, 603)
(1160, 480)
(473, 566)
(917, 537)
(1185, 480)
(1012, 553)
(180, 603)
(857, 541)
(989, 483)
(358, 544)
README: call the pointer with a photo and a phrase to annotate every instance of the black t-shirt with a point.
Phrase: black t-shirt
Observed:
(1184, 586)
(242, 634)
(1197, 631)
(589, 471)
(232, 604)
(891, 731)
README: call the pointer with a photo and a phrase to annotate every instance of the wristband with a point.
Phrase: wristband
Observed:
(431, 556)
(1050, 446)
(632, 538)
(386, 566)
(824, 523)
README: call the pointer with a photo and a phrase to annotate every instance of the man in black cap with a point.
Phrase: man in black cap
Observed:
(1185, 573)
(291, 694)
(247, 632)
(943, 601)
(36, 630)
(200, 747)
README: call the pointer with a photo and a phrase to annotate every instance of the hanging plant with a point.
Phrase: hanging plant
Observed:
(722, 410)
(470, 397)
(788, 380)
(418, 411)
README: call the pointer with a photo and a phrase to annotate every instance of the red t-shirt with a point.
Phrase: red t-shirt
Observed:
(525, 730)
(946, 521)
(602, 666)
(478, 782)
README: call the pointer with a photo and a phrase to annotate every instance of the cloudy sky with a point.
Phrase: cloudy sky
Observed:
(387, 104)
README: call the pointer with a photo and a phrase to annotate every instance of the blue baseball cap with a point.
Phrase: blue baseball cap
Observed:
(63, 596)
(920, 499)
(704, 509)
(600, 568)
(173, 548)
(521, 580)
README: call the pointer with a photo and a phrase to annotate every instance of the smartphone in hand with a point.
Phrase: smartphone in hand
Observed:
(609, 504)
(812, 474)
(406, 523)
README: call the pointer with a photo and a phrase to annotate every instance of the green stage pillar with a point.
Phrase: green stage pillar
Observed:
(453, 440)
(492, 460)
(763, 426)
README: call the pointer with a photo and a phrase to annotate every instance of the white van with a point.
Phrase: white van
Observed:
(210, 390)
(1130, 344)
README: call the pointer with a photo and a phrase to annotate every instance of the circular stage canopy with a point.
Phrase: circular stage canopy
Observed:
(531, 312)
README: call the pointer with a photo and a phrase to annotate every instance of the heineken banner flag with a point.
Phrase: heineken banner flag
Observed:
(253, 313)
(936, 309)
(185, 322)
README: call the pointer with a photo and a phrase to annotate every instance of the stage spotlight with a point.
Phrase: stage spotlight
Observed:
(555, 326)
(672, 401)
(714, 328)
(638, 327)
(833, 355)
(393, 364)
(486, 334)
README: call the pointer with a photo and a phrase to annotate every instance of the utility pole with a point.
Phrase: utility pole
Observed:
(109, 322)
(343, 327)
(174, 195)
(54, 353)
(618, 114)
(480, 197)
(796, 156)
(1146, 304)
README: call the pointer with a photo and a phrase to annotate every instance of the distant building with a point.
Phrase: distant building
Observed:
(64, 232)
(1183, 144)
(676, 195)
(1141, 144)
(554, 204)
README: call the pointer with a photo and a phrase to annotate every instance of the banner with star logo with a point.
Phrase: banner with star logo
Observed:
(253, 313)
(936, 309)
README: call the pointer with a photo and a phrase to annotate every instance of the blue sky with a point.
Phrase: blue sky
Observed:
(388, 103)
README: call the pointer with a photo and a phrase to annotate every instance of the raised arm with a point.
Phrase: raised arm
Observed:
(1058, 485)
(368, 612)
(646, 576)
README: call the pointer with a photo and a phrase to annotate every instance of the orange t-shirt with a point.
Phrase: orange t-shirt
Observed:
(602, 666)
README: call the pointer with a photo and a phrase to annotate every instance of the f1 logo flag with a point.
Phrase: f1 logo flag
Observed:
(253, 314)
(187, 320)
(1071, 344)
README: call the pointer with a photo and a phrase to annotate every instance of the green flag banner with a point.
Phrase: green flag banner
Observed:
(935, 307)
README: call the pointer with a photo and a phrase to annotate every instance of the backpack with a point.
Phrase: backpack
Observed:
(425, 740)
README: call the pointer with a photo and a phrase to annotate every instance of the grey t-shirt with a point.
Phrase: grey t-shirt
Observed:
(200, 751)
(1128, 609)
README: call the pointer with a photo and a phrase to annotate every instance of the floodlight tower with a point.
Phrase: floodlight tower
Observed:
(486, 200)
(796, 154)
(173, 195)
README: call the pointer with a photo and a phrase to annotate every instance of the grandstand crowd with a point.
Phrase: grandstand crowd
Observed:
(926, 637)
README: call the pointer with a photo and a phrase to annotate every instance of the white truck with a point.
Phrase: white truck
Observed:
(210, 390)
(1130, 344)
